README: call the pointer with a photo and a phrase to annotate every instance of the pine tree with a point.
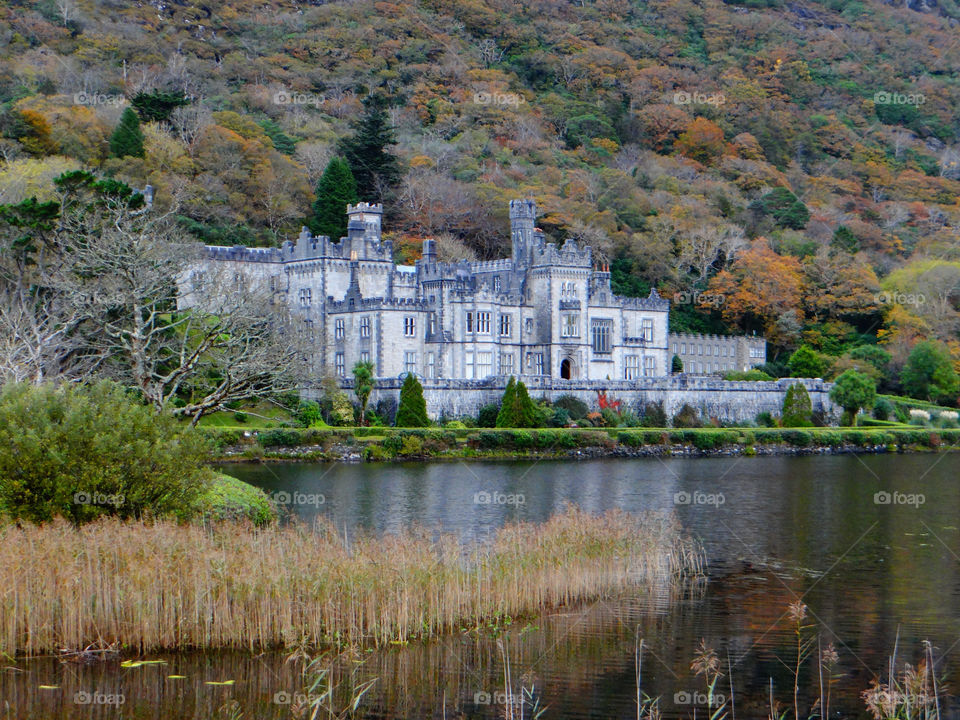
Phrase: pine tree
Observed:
(127, 139)
(797, 408)
(337, 189)
(516, 408)
(505, 418)
(676, 364)
(375, 168)
(412, 410)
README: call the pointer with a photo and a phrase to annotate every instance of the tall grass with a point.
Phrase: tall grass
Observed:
(154, 585)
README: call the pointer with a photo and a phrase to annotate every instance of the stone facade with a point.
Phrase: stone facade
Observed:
(717, 354)
(546, 311)
(730, 401)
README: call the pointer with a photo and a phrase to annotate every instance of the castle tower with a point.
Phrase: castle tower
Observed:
(523, 216)
(364, 220)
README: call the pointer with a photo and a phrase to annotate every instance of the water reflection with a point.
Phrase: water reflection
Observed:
(774, 529)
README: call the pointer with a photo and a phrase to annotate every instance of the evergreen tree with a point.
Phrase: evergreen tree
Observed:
(516, 408)
(845, 240)
(929, 373)
(281, 141)
(853, 391)
(412, 410)
(806, 362)
(158, 105)
(127, 139)
(676, 365)
(336, 189)
(375, 168)
(505, 416)
(363, 386)
(797, 408)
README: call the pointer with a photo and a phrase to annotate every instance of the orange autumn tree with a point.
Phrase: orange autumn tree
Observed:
(758, 288)
(701, 141)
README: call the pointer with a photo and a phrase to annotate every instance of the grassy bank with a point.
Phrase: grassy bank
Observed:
(382, 443)
(167, 586)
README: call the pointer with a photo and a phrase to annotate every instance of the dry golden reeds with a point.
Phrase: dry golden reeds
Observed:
(160, 585)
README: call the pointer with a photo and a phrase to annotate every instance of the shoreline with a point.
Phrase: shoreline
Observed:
(378, 445)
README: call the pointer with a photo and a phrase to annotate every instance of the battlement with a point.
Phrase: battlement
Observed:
(241, 253)
(362, 207)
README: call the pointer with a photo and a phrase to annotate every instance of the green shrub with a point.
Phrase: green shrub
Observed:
(410, 446)
(576, 407)
(412, 408)
(279, 437)
(687, 417)
(882, 409)
(753, 375)
(228, 498)
(455, 425)
(765, 419)
(375, 452)
(87, 451)
(797, 408)
(653, 415)
(240, 417)
(487, 417)
(797, 438)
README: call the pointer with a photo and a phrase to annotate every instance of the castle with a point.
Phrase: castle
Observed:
(544, 312)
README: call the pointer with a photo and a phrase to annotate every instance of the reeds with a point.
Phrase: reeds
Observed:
(160, 585)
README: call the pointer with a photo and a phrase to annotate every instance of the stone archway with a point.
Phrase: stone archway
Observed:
(566, 369)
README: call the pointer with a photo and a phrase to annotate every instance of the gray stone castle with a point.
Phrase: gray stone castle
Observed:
(545, 313)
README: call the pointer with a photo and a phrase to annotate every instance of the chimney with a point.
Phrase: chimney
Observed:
(523, 215)
(429, 251)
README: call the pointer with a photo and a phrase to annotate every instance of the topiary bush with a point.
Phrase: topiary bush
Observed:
(576, 407)
(83, 452)
(687, 417)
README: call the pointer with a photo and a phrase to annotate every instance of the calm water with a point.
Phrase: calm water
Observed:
(774, 529)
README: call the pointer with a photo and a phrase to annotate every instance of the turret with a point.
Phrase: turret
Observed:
(523, 216)
(364, 220)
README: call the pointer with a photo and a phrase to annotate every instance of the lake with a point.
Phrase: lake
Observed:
(870, 543)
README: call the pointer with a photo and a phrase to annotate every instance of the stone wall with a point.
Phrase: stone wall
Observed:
(730, 401)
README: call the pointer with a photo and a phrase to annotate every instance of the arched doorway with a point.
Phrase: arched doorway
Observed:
(566, 369)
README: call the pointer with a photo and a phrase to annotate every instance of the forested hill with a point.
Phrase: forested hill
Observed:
(785, 167)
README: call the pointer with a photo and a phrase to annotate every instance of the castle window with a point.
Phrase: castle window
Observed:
(409, 326)
(674, 348)
(631, 367)
(600, 332)
(340, 366)
(483, 323)
(484, 364)
(716, 350)
(506, 363)
(538, 359)
(433, 323)
(699, 349)
(468, 365)
(305, 297)
(504, 326)
(431, 365)
(756, 352)
(683, 348)
(528, 326)
(646, 329)
(469, 322)
(496, 284)
(409, 361)
(570, 326)
(365, 326)
(338, 329)
(649, 366)
(364, 357)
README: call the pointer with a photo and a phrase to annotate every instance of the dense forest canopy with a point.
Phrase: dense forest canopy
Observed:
(789, 168)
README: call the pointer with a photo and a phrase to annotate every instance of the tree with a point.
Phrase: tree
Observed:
(701, 141)
(412, 409)
(83, 451)
(375, 168)
(784, 207)
(845, 241)
(157, 105)
(929, 373)
(127, 139)
(676, 364)
(806, 362)
(336, 189)
(516, 408)
(797, 408)
(363, 386)
(853, 391)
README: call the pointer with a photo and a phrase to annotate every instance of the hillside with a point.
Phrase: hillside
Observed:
(790, 168)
